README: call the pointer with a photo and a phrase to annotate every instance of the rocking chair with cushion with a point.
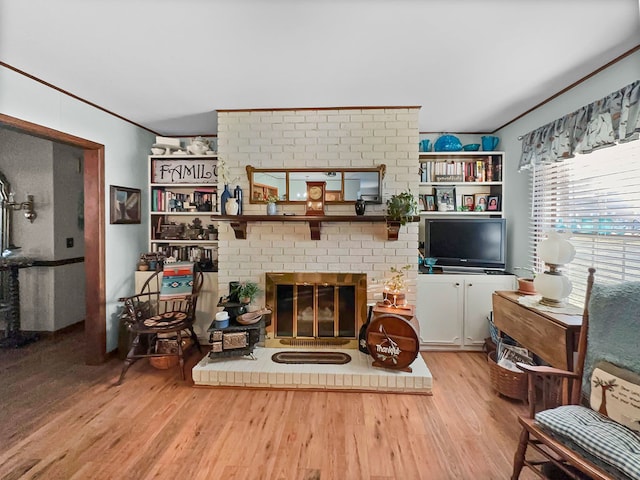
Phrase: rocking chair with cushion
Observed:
(162, 315)
(587, 422)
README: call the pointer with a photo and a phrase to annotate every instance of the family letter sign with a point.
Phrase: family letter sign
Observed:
(201, 170)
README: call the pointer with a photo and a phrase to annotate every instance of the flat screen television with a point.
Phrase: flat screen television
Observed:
(469, 243)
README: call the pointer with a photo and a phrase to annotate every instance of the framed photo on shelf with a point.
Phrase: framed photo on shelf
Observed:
(468, 203)
(493, 203)
(446, 199)
(124, 204)
(333, 195)
(480, 202)
(429, 202)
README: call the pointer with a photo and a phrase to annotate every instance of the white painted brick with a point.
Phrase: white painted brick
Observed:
(384, 117)
(397, 125)
(271, 148)
(284, 138)
(316, 148)
(337, 118)
(293, 119)
(336, 133)
(314, 117)
(306, 126)
(329, 126)
(361, 117)
(408, 117)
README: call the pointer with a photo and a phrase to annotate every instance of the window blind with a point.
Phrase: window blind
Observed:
(596, 198)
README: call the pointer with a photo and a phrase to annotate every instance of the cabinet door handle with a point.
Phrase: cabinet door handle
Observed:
(470, 285)
(457, 284)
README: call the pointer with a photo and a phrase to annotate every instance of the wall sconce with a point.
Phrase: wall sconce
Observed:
(554, 287)
(27, 205)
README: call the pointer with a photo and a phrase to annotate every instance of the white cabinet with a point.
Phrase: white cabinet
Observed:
(452, 309)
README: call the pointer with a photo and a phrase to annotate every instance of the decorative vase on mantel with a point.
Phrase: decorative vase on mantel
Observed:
(237, 193)
(232, 206)
(360, 206)
(226, 194)
(272, 208)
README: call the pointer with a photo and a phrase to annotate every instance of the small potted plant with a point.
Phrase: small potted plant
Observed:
(247, 292)
(525, 285)
(401, 208)
(271, 205)
(394, 287)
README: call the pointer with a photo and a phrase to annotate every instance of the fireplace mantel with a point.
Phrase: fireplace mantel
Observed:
(239, 222)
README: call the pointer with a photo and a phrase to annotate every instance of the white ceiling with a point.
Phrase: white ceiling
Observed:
(472, 65)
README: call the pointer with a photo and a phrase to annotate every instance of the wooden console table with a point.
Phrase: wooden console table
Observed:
(551, 336)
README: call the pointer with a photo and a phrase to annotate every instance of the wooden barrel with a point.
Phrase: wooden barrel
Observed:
(392, 341)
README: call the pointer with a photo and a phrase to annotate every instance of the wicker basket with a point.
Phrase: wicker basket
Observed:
(506, 382)
(164, 363)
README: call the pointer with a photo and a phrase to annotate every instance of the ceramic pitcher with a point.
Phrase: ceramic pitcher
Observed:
(490, 143)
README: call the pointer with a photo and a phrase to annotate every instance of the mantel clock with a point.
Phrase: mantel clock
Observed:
(315, 198)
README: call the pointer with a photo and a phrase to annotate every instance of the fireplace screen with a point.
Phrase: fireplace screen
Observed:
(316, 305)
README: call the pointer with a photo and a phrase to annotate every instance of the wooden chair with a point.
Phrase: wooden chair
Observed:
(151, 319)
(579, 441)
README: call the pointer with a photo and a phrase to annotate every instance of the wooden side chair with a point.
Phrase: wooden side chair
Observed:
(152, 316)
(586, 424)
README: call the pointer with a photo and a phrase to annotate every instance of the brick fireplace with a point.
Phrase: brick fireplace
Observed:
(319, 138)
(310, 309)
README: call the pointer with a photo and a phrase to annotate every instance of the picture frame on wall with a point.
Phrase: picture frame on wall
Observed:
(446, 199)
(125, 205)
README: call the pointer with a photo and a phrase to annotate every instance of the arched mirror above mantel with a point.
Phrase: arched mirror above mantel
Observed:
(343, 185)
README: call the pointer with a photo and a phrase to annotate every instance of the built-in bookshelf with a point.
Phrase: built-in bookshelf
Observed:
(461, 183)
(184, 200)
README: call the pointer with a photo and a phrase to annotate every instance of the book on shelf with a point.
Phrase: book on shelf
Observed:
(163, 200)
(475, 169)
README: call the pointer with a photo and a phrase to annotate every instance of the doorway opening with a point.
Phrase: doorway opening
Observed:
(94, 230)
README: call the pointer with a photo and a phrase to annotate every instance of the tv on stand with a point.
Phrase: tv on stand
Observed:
(474, 245)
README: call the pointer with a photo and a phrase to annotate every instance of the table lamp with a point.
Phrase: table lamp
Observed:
(553, 285)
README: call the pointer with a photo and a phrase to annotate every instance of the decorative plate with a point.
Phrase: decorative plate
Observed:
(447, 143)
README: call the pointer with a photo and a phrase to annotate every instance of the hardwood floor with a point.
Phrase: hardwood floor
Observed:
(62, 419)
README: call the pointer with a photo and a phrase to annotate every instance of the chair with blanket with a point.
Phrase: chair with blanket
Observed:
(161, 316)
(593, 430)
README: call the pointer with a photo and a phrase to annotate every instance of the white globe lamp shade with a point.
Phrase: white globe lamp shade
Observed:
(554, 288)
(556, 249)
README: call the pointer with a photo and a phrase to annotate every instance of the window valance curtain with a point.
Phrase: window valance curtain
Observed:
(614, 118)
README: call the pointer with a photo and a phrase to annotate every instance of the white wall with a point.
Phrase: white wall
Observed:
(53, 296)
(517, 204)
(126, 149)
(27, 162)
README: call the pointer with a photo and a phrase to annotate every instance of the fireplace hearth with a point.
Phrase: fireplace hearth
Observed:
(315, 309)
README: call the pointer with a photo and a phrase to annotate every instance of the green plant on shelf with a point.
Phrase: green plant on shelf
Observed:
(247, 291)
(396, 283)
(402, 207)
